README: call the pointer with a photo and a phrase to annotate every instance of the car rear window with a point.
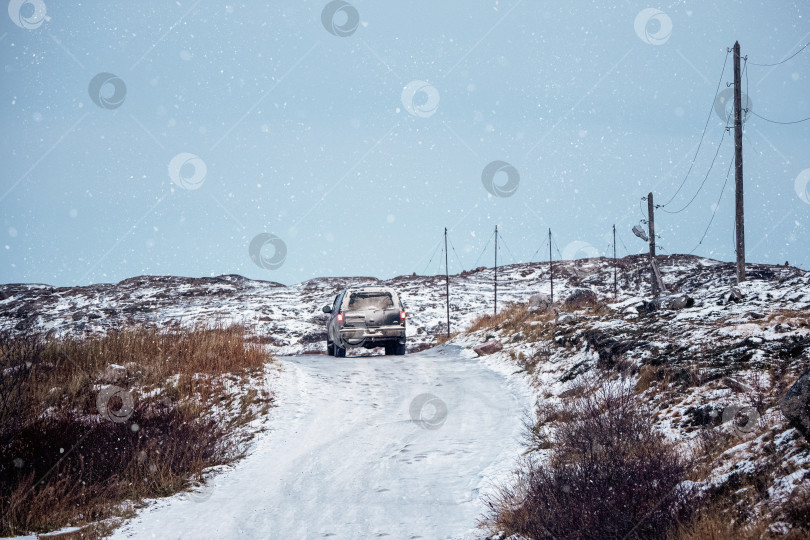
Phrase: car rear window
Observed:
(371, 300)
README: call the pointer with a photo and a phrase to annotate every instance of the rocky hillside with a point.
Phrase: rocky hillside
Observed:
(289, 319)
(713, 363)
(712, 360)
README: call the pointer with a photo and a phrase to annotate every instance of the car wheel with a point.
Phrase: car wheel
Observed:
(330, 348)
(389, 349)
(340, 352)
(399, 349)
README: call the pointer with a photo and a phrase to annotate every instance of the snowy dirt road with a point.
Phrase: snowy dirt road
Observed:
(342, 457)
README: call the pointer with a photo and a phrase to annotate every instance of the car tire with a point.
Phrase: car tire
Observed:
(330, 348)
(399, 349)
(340, 352)
(389, 349)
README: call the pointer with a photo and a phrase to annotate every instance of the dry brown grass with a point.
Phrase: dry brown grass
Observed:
(443, 338)
(49, 395)
(714, 523)
(514, 318)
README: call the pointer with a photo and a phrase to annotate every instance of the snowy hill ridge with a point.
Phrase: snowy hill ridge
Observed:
(289, 318)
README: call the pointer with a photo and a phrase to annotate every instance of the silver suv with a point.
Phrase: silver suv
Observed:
(365, 317)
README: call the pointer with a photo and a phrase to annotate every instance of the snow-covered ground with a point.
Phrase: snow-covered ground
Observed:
(289, 318)
(343, 458)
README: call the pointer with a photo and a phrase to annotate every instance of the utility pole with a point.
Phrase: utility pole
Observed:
(615, 288)
(496, 269)
(651, 224)
(447, 283)
(550, 267)
(739, 218)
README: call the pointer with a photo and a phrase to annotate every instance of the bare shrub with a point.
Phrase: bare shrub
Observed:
(797, 508)
(609, 474)
(62, 461)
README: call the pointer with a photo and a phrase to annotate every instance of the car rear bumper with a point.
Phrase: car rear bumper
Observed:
(363, 337)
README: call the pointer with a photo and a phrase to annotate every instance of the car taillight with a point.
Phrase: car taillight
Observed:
(340, 317)
(402, 315)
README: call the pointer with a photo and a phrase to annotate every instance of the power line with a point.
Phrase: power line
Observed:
(515, 259)
(431, 257)
(456, 254)
(782, 61)
(706, 125)
(545, 243)
(619, 236)
(483, 250)
(556, 247)
(711, 166)
(716, 207)
(776, 121)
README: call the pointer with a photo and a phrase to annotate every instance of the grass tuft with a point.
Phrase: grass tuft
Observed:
(86, 424)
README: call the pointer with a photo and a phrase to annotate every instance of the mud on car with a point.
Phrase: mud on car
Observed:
(365, 317)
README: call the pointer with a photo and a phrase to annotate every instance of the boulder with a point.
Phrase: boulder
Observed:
(734, 296)
(491, 346)
(517, 336)
(566, 317)
(795, 404)
(581, 298)
(540, 301)
(114, 373)
(649, 307)
(681, 302)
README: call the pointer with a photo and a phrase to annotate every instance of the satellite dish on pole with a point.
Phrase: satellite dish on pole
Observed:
(638, 231)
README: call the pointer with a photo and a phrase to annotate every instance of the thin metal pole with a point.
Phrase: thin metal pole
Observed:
(550, 267)
(447, 282)
(615, 287)
(496, 269)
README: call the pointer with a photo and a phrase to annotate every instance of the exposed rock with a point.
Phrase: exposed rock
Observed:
(581, 298)
(491, 346)
(540, 301)
(681, 302)
(649, 307)
(517, 336)
(734, 296)
(566, 317)
(114, 373)
(796, 404)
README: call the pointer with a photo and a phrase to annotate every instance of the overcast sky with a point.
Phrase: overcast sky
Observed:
(340, 139)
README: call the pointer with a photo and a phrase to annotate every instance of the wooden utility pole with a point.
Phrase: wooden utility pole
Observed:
(739, 218)
(651, 224)
(447, 283)
(615, 287)
(550, 267)
(496, 269)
